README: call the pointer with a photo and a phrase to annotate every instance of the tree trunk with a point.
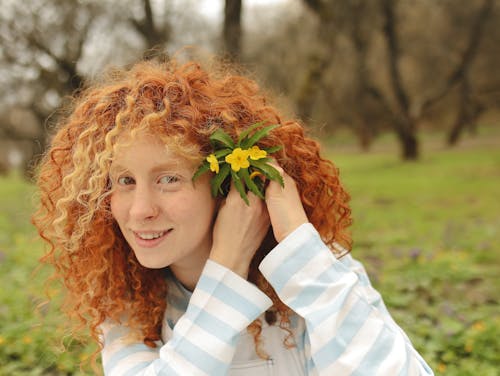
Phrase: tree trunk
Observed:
(404, 123)
(466, 118)
(459, 124)
(312, 82)
(365, 136)
(154, 36)
(232, 28)
(455, 132)
(406, 132)
(409, 145)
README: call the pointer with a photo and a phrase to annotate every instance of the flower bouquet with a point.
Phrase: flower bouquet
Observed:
(243, 162)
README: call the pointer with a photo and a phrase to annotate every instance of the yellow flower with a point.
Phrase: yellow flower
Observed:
(256, 153)
(214, 163)
(27, 340)
(469, 345)
(478, 326)
(238, 159)
(441, 367)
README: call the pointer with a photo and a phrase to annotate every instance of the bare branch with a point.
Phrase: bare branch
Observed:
(315, 5)
(468, 55)
(389, 30)
(148, 29)
(66, 65)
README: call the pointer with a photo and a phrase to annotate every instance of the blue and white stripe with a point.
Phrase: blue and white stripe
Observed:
(341, 328)
(348, 328)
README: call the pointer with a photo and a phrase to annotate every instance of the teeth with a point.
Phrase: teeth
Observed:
(150, 236)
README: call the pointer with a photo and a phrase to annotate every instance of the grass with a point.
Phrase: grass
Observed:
(426, 231)
(31, 339)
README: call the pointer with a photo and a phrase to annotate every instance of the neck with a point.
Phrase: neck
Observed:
(188, 274)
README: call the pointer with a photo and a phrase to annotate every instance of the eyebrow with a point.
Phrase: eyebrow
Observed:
(166, 166)
(116, 168)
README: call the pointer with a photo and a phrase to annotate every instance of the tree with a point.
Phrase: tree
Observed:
(318, 61)
(468, 108)
(42, 45)
(231, 32)
(155, 37)
(409, 81)
(50, 47)
(405, 120)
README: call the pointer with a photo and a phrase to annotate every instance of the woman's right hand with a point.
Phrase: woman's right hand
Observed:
(284, 205)
(238, 231)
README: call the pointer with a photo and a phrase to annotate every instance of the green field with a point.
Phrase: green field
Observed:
(427, 232)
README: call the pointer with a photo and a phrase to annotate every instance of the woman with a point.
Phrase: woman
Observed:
(176, 275)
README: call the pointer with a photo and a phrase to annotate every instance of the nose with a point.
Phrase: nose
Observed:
(144, 205)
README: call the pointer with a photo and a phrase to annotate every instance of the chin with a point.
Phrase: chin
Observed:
(152, 264)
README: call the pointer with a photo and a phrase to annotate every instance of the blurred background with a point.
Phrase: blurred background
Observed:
(403, 94)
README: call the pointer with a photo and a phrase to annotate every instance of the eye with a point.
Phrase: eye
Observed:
(168, 179)
(125, 180)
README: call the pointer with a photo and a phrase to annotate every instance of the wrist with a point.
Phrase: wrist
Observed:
(291, 228)
(238, 267)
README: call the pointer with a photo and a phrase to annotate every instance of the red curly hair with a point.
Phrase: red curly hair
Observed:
(185, 104)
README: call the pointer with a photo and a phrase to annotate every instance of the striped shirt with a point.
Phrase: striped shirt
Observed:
(340, 324)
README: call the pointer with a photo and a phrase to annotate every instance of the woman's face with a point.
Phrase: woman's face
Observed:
(165, 217)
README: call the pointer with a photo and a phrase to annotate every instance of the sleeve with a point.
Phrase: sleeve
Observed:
(348, 329)
(204, 339)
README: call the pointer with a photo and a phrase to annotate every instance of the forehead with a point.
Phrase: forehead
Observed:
(175, 142)
(128, 141)
(146, 151)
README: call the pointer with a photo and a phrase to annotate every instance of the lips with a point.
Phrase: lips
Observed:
(149, 239)
(150, 235)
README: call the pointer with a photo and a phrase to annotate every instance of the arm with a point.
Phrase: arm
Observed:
(222, 305)
(203, 340)
(348, 329)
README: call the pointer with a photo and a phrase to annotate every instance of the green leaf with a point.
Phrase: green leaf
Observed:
(247, 131)
(268, 170)
(263, 160)
(238, 184)
(259, 181)
(243, 173)
(222, 153)
(257, 136)
(273, 149)
(222, 137)
(204, 167)
(218, 179)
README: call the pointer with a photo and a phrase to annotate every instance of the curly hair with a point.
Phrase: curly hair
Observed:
(183, 104)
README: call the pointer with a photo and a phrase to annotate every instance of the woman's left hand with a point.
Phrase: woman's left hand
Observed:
(238, 231)
(284, 206)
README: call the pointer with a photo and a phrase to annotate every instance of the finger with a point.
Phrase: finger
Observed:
(233, 192)
(274, 163)
(253, 199)
(273, 184)
(259, 207)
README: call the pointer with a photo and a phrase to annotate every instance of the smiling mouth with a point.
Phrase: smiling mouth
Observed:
(150, 238)
(151, 235)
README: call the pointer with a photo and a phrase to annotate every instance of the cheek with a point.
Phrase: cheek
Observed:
(116, 206)
(208, 210)
(199, 209)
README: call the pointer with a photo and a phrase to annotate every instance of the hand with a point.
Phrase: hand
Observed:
(284, 206)
(238, 231)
